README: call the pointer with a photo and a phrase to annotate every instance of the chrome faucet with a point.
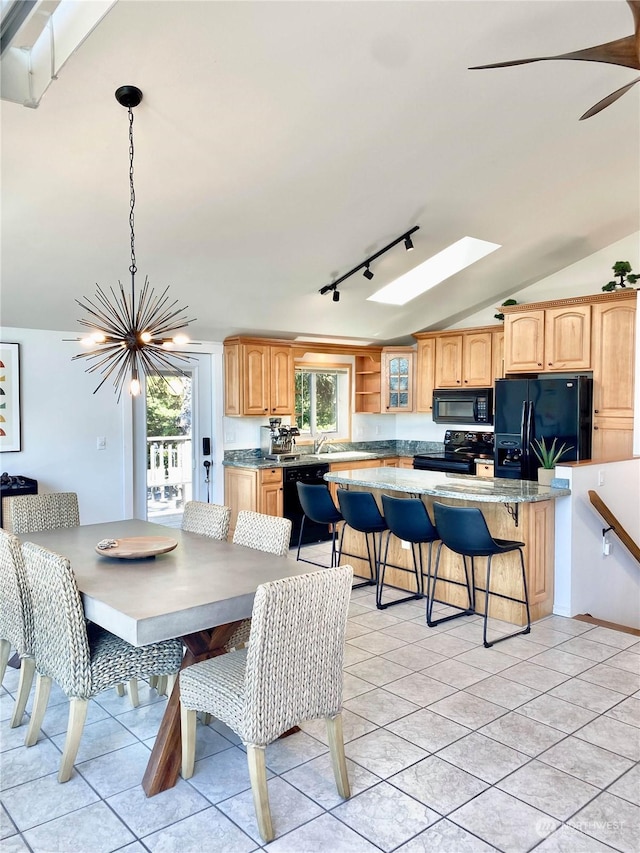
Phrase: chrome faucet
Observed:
(318, 442)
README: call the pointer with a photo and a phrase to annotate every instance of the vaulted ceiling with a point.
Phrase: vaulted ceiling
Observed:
(279, 144)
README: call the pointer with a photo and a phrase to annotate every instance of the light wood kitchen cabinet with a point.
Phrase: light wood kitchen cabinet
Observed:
(614, 326)
(524, 342)
(613, 353)
(612, 438)
(449, 361)
(548, 339)
(484, 469)
(405, 462)
(368, 382)
(497, 356)
(270, 494)
(425, 374)
(397, 380)
(457, 359)
(259, 378)
(254, 489)
(476, 360)
(567, 338)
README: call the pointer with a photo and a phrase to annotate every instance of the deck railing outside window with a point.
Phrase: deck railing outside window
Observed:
(169, 473)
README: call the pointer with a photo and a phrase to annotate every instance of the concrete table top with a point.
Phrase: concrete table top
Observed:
(200, 584)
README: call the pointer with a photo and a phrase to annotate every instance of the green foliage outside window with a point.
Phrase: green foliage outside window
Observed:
(168, 406)
(316, 401)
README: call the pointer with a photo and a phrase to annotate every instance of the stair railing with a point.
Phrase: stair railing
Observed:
(614, 525)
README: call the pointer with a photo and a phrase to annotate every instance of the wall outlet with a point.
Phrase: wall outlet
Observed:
(405, 545)
(607, 547)
(601, 478)
(101, 442)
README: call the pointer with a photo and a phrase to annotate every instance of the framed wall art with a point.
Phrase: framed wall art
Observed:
(10, 431)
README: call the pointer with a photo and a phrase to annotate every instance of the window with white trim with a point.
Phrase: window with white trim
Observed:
(323, 396)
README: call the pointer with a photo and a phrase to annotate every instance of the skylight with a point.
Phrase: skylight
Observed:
(446, 263)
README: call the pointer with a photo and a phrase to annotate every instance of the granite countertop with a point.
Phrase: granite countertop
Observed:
(258, 462)
(461, 486)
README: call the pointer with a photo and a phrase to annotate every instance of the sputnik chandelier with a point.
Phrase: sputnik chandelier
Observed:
(132, 335)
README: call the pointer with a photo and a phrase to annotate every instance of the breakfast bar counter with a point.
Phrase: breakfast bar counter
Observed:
(514, 509)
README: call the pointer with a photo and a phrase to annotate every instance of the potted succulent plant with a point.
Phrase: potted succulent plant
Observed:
(548, 457)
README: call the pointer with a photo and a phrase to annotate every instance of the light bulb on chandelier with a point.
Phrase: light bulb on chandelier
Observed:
(131, 335)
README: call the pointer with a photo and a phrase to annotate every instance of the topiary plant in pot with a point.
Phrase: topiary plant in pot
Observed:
(623, 270)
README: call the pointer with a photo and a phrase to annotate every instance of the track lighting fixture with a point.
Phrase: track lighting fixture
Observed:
(365, 265)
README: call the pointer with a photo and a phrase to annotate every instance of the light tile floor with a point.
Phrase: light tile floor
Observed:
(533, 744)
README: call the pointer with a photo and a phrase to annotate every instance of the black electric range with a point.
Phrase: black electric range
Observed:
(461, 449)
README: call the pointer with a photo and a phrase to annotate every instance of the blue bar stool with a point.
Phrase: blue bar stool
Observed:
(464, 530)
(360, 512)
(407, 519)
(317, 505)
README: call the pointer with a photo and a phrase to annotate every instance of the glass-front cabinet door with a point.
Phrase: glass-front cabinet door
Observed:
(397, 378)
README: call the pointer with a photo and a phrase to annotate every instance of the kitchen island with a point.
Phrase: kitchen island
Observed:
(514, 509)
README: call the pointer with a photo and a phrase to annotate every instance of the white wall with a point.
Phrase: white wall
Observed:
(587, 581)
(61, 421)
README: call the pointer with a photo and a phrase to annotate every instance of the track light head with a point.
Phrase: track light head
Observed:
(408, 243)
(336, 296)
(367, 273)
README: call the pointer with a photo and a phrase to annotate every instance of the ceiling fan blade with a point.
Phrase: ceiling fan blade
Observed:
(634, 5)
(619, 52)
(605, 102)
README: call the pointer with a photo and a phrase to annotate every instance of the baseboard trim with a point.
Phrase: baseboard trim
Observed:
(587, 617)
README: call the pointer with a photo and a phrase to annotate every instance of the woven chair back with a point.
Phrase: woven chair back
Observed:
(207, 519)
(263, 532)
(16, 617)
(295, 653)
(60, 644)
(32, 513)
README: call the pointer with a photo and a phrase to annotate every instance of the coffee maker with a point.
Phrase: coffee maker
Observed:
(277, 442)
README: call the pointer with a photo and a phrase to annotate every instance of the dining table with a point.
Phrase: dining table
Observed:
(199, 591)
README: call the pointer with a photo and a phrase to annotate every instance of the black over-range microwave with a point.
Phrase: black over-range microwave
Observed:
(463, 406)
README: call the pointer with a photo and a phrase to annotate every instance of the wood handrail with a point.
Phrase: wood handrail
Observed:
(614, 524)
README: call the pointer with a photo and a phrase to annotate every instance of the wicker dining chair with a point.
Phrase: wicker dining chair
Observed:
(268, 533)
(33, 513)
(81, 657)
(16, 622)
(208, 519)
(290, 671)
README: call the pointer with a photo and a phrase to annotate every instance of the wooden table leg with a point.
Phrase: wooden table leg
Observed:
(163, 767)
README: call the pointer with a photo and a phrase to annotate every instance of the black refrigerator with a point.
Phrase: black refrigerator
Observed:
(549, 407)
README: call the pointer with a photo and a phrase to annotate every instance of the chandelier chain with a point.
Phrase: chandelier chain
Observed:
(132, 199)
